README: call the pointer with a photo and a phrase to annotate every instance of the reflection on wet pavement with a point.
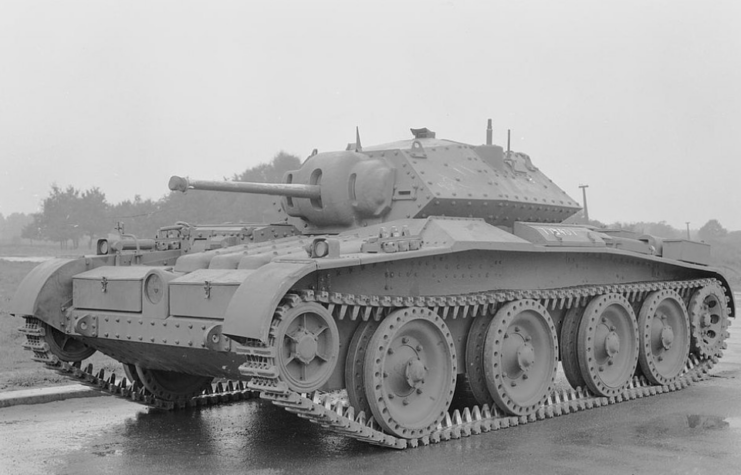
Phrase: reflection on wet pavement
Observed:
(690, 431)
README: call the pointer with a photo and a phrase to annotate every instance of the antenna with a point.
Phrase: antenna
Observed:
(584, 194)
(508, 140)
(358, 145)
(488, 133)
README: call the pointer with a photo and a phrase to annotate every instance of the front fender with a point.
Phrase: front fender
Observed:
(47, 289)
(250, 311)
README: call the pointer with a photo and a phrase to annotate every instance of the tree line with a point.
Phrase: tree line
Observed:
(70, 215)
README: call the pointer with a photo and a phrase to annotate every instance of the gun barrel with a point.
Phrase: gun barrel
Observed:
(282, 189)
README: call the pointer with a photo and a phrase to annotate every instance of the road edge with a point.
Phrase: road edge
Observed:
(44, 395)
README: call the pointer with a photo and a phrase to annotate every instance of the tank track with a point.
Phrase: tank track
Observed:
(216, 393)
(332, 411)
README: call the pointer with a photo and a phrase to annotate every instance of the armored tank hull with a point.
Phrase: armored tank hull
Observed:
(431, 271)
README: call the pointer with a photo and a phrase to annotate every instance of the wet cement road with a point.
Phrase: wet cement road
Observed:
(696, 430)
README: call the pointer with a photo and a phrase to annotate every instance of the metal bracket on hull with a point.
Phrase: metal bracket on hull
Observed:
(87, 325)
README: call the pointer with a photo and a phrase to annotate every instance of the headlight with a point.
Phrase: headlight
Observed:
(102, 247)
(321, 248)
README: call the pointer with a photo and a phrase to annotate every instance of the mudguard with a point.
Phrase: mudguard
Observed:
(47, 290)
(250, 311)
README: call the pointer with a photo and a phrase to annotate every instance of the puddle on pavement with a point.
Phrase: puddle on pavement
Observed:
(695, 421)
(681, 425)
(106, 450)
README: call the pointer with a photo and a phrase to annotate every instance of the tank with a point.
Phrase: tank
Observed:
(418, 291)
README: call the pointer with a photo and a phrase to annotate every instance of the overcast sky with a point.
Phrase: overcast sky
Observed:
(641, 100)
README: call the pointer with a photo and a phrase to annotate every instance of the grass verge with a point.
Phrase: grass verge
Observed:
(17, 369)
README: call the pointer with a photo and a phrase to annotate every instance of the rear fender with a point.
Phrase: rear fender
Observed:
(251, 309)
(46, 291)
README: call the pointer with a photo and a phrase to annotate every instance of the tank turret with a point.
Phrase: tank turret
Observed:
(416, 178)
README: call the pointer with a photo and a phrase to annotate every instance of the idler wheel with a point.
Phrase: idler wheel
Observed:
(708, 320)
(665, 336)
(171, 385)
(308, 345)
(521, 357)
(607, 344)
(65, 347)
(410, 372)
(568, 346)
(355, 366)
(475, 359)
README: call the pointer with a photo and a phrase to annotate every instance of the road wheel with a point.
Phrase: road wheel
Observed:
(355, 367)
(569, 353)
(607, 344)
(521, 357)
(410, 372)
(665, 336)
(475, 359)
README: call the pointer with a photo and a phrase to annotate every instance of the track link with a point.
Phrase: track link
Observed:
(333, 411)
